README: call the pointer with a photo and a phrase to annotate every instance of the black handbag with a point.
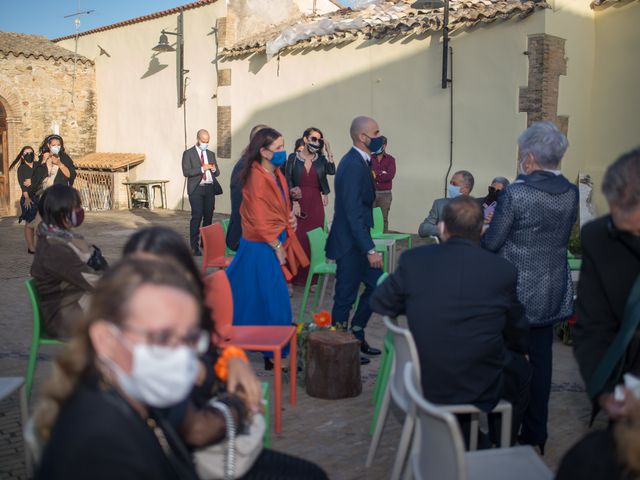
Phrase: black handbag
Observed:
(217, 188)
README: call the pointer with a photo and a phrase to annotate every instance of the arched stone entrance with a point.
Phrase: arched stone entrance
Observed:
(10, 123)
(4, 162)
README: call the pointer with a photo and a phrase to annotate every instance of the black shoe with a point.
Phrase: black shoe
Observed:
(368, 350)
(523, 441)
(364, 361)
(30, 252)
(268, 364)
(196, 252)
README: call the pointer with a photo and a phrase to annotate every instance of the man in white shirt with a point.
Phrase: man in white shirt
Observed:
(200, 168)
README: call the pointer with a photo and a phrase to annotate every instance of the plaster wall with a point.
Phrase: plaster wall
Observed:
(137, 92)
(398, 83)
(616, 99)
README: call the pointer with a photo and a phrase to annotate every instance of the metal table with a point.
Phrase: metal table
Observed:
(148, 186)
(390, 243)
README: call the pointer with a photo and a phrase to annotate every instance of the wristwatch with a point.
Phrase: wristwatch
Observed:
(278, 245)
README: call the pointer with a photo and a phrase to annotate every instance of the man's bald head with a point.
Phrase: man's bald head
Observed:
(203, 136)
(362, 130)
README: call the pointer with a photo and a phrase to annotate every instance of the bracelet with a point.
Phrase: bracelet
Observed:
(221, 368)
(278, 245)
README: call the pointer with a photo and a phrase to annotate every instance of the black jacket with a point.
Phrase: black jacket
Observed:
(293, 169)
(463, 312)
(98, 435)
(40, 173)
(25, 172)
(192, 169)
(610, 265)
(234, 229)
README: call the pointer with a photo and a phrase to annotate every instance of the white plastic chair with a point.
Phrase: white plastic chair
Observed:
(406, 352)
(438, 449)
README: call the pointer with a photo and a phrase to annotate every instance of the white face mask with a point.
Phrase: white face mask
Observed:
(160, 376)
(55, 149)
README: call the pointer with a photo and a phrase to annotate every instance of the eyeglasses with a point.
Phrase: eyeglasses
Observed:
(196, 338)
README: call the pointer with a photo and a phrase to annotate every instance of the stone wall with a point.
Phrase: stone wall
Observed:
(36, 93)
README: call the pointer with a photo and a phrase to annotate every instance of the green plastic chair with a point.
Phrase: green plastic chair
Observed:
(318, 265)
(575, 264)
(377, 232)
(225, 226)
(266, 440)
(38, 337)
(384, 370)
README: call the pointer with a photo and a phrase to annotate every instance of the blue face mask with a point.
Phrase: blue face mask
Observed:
(203, 146)
(278, 158)
(376, 145)
(453, 191)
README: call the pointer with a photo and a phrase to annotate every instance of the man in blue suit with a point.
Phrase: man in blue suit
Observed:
(349, 242)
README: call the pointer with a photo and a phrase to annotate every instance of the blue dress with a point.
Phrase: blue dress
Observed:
(260, 293)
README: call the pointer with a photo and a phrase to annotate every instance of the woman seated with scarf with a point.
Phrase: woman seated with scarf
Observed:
(65, 267)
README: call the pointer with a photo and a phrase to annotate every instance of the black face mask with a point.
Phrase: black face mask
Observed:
(28, 157)
(315, 147)
(492, 197)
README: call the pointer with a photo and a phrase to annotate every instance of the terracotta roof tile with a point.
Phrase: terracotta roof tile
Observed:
(144, 18)
(35, 46)
(109, 161)
(391, 19)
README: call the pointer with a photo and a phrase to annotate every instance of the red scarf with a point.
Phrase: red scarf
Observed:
(265, 214)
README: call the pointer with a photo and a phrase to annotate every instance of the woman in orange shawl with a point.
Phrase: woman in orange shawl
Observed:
(269, 251)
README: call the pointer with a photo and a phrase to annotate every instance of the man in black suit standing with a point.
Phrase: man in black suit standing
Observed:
(200, 167)
(464, 314)
(349, 242)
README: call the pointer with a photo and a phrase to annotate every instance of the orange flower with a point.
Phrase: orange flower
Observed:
(322, 319)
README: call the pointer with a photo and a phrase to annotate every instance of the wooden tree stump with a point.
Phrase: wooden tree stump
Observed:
(333, 365)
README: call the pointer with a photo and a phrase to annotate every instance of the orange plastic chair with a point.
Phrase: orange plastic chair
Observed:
(260, 338)
(213, 247)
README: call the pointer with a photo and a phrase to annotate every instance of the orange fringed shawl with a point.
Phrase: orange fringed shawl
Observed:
(265, 214)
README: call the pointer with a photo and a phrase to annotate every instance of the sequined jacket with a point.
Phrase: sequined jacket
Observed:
(531, 228)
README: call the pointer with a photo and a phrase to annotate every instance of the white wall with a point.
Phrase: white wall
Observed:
(137, 92)
(398, 83)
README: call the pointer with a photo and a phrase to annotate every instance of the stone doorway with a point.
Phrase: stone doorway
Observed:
(4, 163)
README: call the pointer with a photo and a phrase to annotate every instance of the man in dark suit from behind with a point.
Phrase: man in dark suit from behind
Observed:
(349, 242)
(200, 168)
(464, 314)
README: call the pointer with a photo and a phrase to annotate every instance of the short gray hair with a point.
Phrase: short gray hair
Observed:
(621, 181)
(545, 142)
(467, 178)
(504, 181)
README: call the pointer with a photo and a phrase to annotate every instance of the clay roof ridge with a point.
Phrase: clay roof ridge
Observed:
(143, 18)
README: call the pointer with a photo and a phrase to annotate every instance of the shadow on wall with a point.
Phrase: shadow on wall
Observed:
(154, 67)
(406, 99)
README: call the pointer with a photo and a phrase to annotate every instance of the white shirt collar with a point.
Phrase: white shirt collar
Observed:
(363, 154)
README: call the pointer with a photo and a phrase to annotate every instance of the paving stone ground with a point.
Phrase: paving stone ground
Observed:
(335, 434)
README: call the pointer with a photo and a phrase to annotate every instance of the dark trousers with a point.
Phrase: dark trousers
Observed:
(352, 270)
(534, 425)
(515, 389)
(202, 202)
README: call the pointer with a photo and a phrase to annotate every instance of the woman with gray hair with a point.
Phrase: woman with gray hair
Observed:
(531, 228)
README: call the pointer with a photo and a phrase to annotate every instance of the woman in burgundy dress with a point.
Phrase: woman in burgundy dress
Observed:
(306, 172)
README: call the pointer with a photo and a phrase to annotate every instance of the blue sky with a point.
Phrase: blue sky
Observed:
(46, 17)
